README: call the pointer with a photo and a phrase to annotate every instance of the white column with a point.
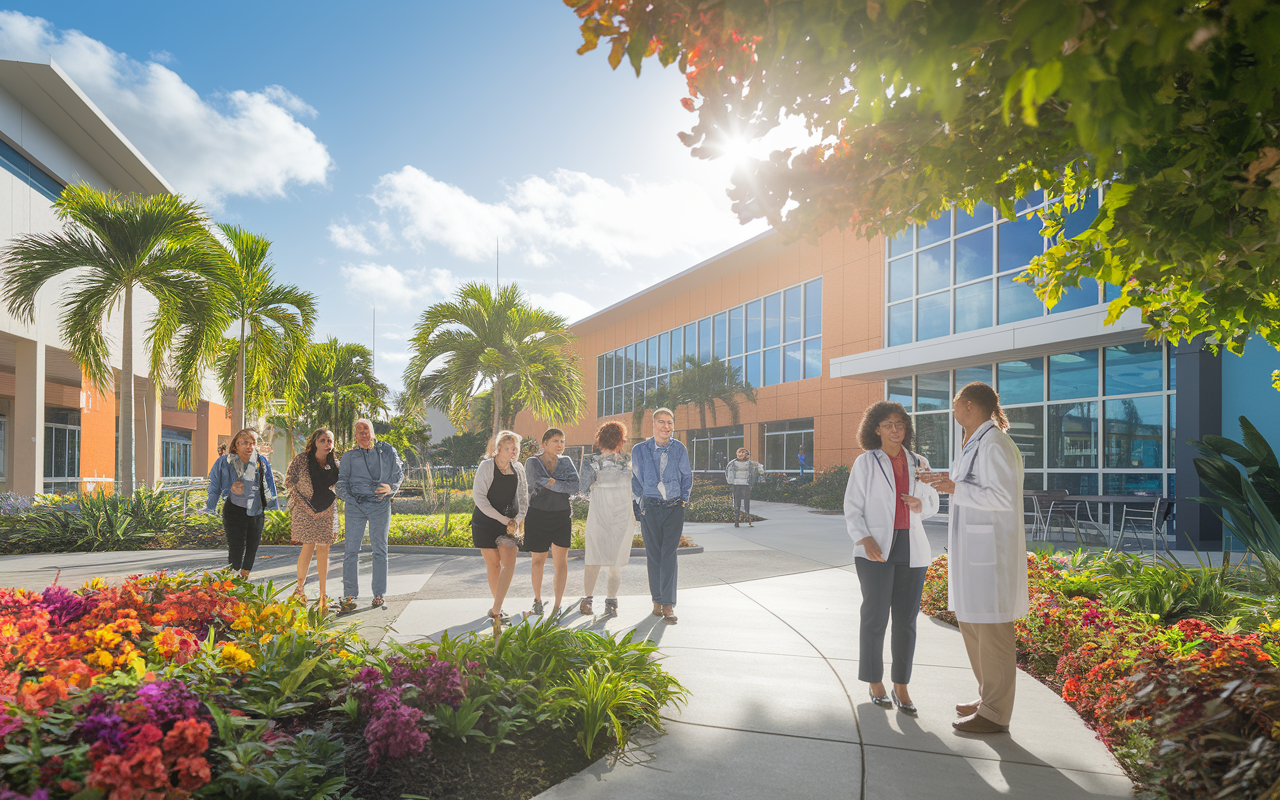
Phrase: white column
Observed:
(28, 419)
(147, 432)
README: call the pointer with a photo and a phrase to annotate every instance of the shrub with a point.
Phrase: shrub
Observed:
(712, 509)
(89, 523)
(826, 491)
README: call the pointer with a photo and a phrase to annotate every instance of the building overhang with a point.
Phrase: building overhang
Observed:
(1078, 329)
(59, 103)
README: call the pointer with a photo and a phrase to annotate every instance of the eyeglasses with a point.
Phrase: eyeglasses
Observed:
(893, 426)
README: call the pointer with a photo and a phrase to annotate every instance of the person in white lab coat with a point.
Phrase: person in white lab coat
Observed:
(884, 509)
(987, 554)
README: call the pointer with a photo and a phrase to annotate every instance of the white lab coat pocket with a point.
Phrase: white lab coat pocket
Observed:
(980, 545)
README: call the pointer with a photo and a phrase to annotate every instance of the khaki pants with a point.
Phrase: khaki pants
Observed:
(993, 654)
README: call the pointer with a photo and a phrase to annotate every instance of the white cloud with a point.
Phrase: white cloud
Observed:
(393, 358)
(392, 337)
(571, 307)
(237, 143)
(551, 220)
(350, 237)
(388, 287)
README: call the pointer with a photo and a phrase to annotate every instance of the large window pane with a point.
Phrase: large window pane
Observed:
(1079, 220)
(719, 454)
(1173, 428)
(642, 360)
(772, 366)
(813, 358)
(1018, 301)
(701, 455)
(600, 403)
(933, 267)
(1026, 427)
(721, 344)
(600, 365)
(933, 438)
(793, 329)
(974, 307)
(1082, 296)
(775, 453)
(1021, 381)
(1074, 482)
(899, 391)
(974, 256)
(691, 340)
(664, 352)
(619, 368)
(773, 320)
(1032, 200)
(1135, 433)
(933, 316)
(982, 215)
(1143, 484)
(793, 362)
(617, 400)
(903, 242)
(628, 393)
(735, 331)
(1033, 481)
(813, 308)
(901, 284)
(654, 357)
(900, 324)
(933, 391)
(677, 349)
(1020, 242)
(704, 341)
(736, 368)
(752, 361)
(1133, 368)
(1073, 375)
(969, 375)
(630, 355)
(1073, 435)
(755, 326)
(935, 230)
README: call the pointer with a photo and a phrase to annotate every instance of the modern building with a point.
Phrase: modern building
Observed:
(58, 431)
(822, 330)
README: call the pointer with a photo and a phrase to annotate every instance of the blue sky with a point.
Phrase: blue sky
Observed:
(383, 147)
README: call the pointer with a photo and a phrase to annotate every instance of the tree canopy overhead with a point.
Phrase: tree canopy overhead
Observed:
(919, 105)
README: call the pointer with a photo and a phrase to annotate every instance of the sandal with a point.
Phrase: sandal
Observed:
(346, 605)
(669, 614)
(322, 603)
(378, 602)
(584, 608)
(300, 595)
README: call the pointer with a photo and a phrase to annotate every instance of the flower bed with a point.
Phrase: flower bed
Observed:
(1190, 711)
(179, 686)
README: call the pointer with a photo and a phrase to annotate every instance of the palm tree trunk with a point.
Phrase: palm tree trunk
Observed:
(497, 405)
(127, 472)
(237, 410)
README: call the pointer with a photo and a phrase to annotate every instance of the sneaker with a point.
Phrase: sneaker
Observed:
(584, 608)
(537, 608)
(611, 607)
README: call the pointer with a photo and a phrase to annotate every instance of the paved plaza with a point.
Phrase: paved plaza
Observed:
(767, 644)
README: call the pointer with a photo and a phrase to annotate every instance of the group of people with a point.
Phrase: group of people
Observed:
(529, 504)
(891, 491)
(367, 478)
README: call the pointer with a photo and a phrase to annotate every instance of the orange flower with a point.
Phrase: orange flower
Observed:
(189, 737)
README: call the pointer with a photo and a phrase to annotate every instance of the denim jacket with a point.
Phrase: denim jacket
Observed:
(677, 480)
(222, 474)
(362, 471)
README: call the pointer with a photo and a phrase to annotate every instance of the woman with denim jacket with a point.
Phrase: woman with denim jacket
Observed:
(243, 478)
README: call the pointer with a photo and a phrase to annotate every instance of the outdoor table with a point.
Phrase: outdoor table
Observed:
(1112, 500)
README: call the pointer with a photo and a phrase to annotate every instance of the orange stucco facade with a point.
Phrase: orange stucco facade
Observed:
(852, 272)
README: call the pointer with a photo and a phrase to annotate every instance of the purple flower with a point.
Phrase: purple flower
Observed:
(9, 723)
(38, 794)
(169, 701)
(65, 606)
(106, 728)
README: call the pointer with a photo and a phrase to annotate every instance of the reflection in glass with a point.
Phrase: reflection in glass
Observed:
(903, 242)
(704, 341)
(664, 352)
(754, 326)
(813, 308)
(654, 357)
(772, 366)
(935, 230)
(617, 400)
(642, 360)
(628, 392)
(1026, 428)
(735, 331)
(773, 320)
(1031, 200)
(934, 268)
(1134, 433)
(1078, 221)
(813, 357)
(1074, 482)
(933, 316)
(1021, 381)
(792, 362)
(900, 324)
(973, 306)
(982, 215)
(691, 341)
(600, 403)
(630, 355)
(901, 285)
(1020, 242)
(1173, 427)
(701, 455)
(1133, 368)
(1073, 375)
(1073, 435)
(792, 313)
(600, 375)
(1143, 484)
(973, 257)
(775, 453)
(971, 374)
(1018, 301)
(677, 349)
(1033, 481)
(1082, 296)
(933, 438)
(933, 391)
(618, 370)
(720, 323)
(719, 454)
(753, 369)
(899, 391)
(1110, 292)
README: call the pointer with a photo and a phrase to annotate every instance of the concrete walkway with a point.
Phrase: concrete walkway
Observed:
(767, 645)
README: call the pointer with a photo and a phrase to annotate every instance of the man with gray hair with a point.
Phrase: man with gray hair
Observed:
(369, 475)
(661, 480)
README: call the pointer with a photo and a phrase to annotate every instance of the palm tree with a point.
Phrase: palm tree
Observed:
(340, 386)
(482, 340)
(114, 245)
(702, 385)
(667, 395)
(275, 325)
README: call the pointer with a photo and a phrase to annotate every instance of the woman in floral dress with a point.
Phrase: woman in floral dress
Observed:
(313, 521)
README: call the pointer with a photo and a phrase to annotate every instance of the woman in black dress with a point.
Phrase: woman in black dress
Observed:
(502, 499)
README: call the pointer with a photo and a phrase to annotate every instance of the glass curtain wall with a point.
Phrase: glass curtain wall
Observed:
(788, 446)
(770, 340)
(1092, 421)
(61, 451)
(711, 448)
(175, 453)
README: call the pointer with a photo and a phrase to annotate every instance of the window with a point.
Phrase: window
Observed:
(900, 324)
(1026, 428)
(1133, 368)
(901, 283)
(62, 451)
(772, 367)
(773, 320)
(794, 314)
(813, 358)
(1073, 435)
(677, 349)
(704, 341)
(664, 352)
(1020, 241)
(933, 316)
(973, 307)
(1073, 375)
(813, 308)
(754, 325)
(933, 392)
(974, 256)
(936, 230)
(899, 391)
(22, 168)
(1021, 381)
(970, 375)
(933, 438)
(735, 331)
(1018, 301)
(712, 448)
(175, 453)
(788, 446)
(933, 267)
(983, 214)
(691, 341)
(792, 362)
(1135, 430)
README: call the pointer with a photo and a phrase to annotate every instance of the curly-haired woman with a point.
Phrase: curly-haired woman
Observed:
(606, 479)
(313, 521)
(884, 509)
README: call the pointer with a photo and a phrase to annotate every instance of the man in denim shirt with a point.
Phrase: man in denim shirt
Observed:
(369, 475)
(661, 479)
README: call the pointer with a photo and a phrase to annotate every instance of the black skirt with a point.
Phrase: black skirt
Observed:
(485, 530)
(545, 528)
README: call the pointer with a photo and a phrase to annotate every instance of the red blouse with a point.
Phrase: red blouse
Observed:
(901, 516)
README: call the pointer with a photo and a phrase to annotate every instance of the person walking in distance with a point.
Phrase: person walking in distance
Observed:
(742, 473)
(661, 480)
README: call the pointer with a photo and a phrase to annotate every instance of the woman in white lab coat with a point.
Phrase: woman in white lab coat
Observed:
(884, 510)
(987, 554)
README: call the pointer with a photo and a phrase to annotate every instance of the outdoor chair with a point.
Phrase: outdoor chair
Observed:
(1144, 521)
(1036, 512)
(1066, 510)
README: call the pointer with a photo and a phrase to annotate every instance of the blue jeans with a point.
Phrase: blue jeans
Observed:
(661, 526)
(377, 515)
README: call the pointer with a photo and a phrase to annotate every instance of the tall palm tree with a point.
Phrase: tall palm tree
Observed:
(486, 340)
(668, 395)
(275, 325)
(340, 386)
(701, 385)
(112, 246)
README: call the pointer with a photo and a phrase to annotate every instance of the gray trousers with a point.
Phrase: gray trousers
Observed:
(742, 498)
(891, 587)
(376, 514)
(661, 527)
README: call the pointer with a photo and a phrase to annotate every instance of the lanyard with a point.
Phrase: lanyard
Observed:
(893, 485)
(972, 460)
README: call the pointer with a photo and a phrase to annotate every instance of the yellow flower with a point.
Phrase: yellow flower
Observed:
(96, 583)
(236, 658)
(266, 638)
